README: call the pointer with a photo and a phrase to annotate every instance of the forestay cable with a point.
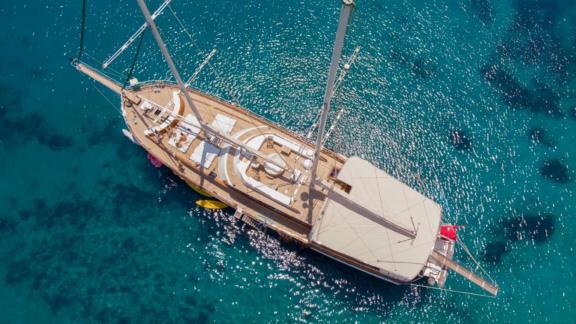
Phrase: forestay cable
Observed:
(82, 24)
(133, 61)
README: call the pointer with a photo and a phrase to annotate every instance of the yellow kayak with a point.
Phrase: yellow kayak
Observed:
(211, 204)
(199, 190)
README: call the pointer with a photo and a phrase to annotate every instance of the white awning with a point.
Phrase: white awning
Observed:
(351, 231)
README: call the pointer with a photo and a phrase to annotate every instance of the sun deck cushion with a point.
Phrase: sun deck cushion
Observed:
(185, 133)
(257, 141)
(223, 124)
(204, 154)
(191, 124)
(242, 166)
(181, 139)
(175, 112)
(146, 105)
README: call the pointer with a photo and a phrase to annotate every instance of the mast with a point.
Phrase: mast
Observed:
(205, 127)
(336, 52)
(168, 58)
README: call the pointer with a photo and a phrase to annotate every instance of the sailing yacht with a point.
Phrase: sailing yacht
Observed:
(342, 207)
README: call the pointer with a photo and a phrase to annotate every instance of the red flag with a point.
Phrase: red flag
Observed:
(448, 232)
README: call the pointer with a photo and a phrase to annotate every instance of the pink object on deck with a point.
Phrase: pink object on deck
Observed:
(155, 162)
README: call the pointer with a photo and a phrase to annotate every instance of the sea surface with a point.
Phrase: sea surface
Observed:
(472, 102)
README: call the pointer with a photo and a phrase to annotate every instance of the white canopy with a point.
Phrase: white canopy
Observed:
(357, 233)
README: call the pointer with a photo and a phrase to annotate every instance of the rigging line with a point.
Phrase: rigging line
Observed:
(82, 26)
(333, 126)
(218, 74)
(337, 85)
(192, 43)
(199, 68)
(109, 71)
(235, 99)
(216, 71)
(337, 141)
(182, 26)
(186, 32)
(427, 192)
(140, 41)
(209, 111)
(465, 248)
(452, 291)
(110, 102)
(426, 188)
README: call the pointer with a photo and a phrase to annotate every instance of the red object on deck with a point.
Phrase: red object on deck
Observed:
(448, 232)
(155, 162)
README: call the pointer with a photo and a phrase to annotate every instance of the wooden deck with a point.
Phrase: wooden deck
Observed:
(221, 177)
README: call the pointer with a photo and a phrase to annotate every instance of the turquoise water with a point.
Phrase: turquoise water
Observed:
(472, 102)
